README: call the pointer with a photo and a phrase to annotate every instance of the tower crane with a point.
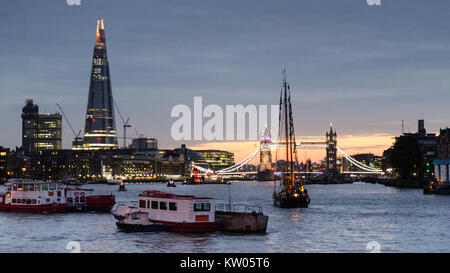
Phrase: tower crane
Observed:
(77, 137)
(125, 126)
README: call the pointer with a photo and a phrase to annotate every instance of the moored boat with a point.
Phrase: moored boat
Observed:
(46, 196)
(138, 221)
(178, 213)
(33, 197)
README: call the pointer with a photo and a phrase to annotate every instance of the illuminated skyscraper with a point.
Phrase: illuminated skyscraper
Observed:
(100, 129)
(40, 131)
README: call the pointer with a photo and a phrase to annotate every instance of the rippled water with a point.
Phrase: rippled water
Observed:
(341, 218)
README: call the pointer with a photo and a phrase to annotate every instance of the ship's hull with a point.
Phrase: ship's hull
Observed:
(100, 202)
(139, 227)
(186, 227)
(48, 208)
(290, 201)
(266, 175)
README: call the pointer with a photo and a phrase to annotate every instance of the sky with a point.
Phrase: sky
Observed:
(363, 68)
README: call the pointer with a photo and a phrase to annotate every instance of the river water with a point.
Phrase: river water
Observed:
(341, 218)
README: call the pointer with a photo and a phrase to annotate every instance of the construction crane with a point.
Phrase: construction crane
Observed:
(125, 126)
(77, 138)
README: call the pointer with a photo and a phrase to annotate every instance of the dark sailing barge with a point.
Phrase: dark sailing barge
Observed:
(291, 193)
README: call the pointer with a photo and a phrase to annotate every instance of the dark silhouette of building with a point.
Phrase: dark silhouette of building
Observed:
(100, 129)
(30, 113)
(40, 131)
(331, 159)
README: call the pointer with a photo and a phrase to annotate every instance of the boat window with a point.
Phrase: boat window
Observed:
(60, 187)
(163, 205)
(8, 187)
(202, 207)
(20, 187)
(172, 206)
(59, 194)
(135, 215)
(37, 187)
(15, 187)
(142, 203)
(28, 201)
(52, 187)
(45, 187)
(154, 204)
(18, 201)
(24, 201)
(31, 187)
(33, 201)
(14, 201)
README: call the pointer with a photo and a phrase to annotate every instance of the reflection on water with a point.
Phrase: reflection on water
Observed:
(341, 218)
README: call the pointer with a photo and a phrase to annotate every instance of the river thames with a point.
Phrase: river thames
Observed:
(341, 218)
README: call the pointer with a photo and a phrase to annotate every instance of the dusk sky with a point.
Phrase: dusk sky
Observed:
(365, 68)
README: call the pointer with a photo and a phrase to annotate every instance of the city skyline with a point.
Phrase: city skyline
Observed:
(366, 94)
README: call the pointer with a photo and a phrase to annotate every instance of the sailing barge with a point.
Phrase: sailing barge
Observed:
(291, 193)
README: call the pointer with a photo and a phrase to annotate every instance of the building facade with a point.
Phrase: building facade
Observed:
(217, 159)
(40, 131)
(442, 163)
(144, 143)
(100, 128)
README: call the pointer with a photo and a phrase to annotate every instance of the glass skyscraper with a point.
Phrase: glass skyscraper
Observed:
(100, 129)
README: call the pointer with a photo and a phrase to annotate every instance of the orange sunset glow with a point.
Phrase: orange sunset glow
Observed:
(351, 144)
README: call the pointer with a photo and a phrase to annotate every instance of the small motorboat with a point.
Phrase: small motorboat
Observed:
(122, 186)
(138, 221)
(171, 183)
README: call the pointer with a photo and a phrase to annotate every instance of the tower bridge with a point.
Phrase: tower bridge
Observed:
(266, 145)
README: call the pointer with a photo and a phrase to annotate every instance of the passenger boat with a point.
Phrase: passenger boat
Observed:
(291, 193)
(178, 213)
(33, 196)
(43, 196)
(138, 221)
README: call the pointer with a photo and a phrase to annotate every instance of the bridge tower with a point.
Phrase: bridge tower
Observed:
(265, 157)
(331, 142)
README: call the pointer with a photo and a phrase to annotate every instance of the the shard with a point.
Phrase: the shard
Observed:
(100, 129)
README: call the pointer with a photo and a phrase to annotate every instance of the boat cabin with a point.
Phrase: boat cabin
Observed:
(168, 207)
(22, 192)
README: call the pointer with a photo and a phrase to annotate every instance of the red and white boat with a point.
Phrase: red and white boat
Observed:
(178, 213)
(33, 196)
(42, 196)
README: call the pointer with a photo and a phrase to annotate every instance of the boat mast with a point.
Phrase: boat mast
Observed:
(286, 121)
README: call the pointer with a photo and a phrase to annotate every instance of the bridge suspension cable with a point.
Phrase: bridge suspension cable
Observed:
(359, 164)
(231, 168)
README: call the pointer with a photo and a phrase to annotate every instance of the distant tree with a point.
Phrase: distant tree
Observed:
(406, 157)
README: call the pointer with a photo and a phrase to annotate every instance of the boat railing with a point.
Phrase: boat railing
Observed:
(238, 208)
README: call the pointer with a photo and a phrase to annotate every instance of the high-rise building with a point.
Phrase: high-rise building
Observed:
(331, 159)
(217, 159)
(40, 131)
(49, 134)
(30, 113)
(100, 128)
(143, 143)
